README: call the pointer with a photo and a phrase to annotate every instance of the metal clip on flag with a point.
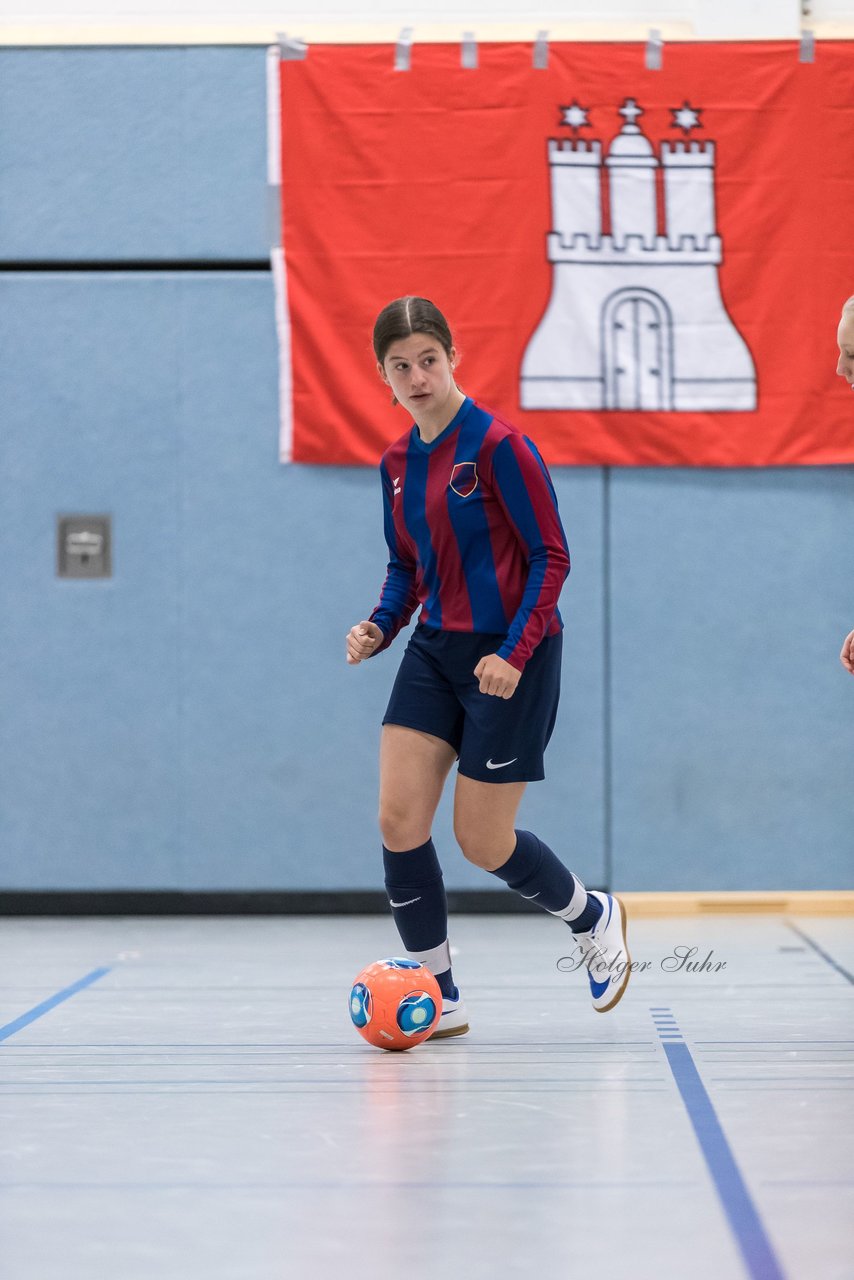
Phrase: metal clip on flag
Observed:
(274, 155)
(469, 51)
(807, 47)
(654, 49)
(291, 48)
(541, 51)
(403, 50)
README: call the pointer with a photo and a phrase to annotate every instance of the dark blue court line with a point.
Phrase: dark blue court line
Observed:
(46, 1005)
(743, 1218)
(849, 977)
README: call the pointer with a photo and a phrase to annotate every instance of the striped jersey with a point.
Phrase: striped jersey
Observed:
(474, 535)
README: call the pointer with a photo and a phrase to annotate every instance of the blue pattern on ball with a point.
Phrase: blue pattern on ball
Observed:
(394, 962)
(415, 1013)
(360, 1005)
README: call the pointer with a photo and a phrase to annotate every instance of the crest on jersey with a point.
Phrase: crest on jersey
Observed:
(464, 479)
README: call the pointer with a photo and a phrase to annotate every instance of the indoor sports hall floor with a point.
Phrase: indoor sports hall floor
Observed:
(186, 1098)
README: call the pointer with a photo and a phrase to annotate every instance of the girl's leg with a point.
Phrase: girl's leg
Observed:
(484, 824)
(413, 769)
(484, 818)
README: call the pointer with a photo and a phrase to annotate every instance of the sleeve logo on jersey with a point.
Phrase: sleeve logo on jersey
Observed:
(464, 479)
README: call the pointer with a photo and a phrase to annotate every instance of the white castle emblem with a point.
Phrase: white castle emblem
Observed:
(636, 320)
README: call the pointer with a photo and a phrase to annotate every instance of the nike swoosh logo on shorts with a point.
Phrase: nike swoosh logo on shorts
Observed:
(408, 903)
(502, 765)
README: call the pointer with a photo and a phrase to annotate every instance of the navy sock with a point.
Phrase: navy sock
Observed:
(588, 917)
(416, 894)
(538, 875)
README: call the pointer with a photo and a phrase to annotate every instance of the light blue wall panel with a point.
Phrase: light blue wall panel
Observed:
(132, 154)
(733, 720)
(192, 723)
(89, 784)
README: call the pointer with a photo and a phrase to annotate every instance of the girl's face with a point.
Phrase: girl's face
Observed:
(845, 339)
(419, 372)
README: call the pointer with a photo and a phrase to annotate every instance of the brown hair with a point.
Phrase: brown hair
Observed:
(410, 315)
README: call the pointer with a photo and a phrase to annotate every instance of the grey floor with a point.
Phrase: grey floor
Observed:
(205, 1109)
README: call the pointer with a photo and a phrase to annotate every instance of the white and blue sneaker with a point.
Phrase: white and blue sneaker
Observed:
(454, 1020)
(606, 955)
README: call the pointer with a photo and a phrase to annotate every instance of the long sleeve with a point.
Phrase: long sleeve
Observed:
(526, 493)
(398, 598)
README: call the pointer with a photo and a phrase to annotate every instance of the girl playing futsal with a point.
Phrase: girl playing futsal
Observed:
(475, 538)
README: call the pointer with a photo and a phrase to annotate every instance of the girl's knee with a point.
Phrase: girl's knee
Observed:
(481, 848)
(399, 830)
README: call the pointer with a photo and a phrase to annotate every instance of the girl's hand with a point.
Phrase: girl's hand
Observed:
(497, 676)
(362, 640)
(846, 657)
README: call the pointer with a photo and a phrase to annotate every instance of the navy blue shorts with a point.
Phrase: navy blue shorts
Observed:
(496, 739)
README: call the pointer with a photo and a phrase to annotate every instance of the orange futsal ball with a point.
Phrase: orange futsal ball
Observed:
(395, 1004)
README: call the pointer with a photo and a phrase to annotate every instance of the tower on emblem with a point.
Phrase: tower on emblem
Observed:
(636, 320)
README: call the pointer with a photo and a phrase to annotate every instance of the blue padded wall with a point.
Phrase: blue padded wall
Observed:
(191, 723)
(133, 154)
(90, 678)
(733, 720)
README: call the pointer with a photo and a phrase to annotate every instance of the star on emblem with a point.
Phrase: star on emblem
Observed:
(686, 117)
(576, 116)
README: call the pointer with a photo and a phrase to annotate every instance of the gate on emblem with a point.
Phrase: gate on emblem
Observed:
(637, 340)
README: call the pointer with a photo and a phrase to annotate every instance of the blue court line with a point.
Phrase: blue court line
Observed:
(46, 1005)
(743, 1218)
(829, 959)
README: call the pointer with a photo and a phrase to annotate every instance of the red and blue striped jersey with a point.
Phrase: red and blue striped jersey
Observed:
(474, 535)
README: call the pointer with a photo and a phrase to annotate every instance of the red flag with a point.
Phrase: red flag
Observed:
(639, 267)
